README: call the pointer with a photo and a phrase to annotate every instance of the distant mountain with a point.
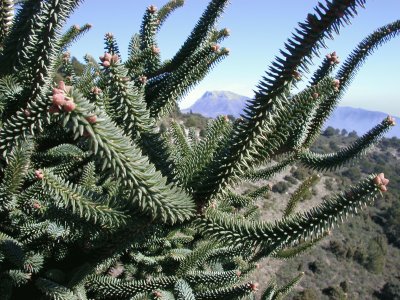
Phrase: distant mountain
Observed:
(359, 120)
(215, 103)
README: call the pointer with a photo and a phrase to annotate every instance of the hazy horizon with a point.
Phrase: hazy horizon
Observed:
(258, 31)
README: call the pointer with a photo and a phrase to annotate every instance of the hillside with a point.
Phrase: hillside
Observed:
(361, 258)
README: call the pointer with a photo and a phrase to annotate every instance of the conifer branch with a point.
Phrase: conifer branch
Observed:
(332, 161)
(195, 40)
(165, 11)
(183, 291)
(221, 227)
(348, 71)
(300, 194)
(145, 187)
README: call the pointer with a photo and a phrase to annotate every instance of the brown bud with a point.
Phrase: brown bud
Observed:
(254, 286)
(391, 120)
(152, 9)
(95, 90)
(155, 50)
(142, 79)
(296, 75)
(109, 35)
(27, 112)
(215, 48)
(157, 294)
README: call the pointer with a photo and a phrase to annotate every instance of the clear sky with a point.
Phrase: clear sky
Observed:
(259, 29)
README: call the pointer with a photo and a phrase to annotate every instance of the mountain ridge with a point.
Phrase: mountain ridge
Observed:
(214, 103)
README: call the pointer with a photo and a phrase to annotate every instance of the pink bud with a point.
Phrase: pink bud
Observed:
(238, 273)
(107, 56)
(143, 79)
(39, 174)
(157, 294)
(61, 85)
(36, 205)
(57, 91)
(106, 63)
(58, 99)
(336, 83)
(377, 180)
(115, 58)
(155, 50)
(254, 286)
(95, 90)
(69, 106)
(383, 188)
(315, 95)
(91, 119)
(385, 181)
(27, 112)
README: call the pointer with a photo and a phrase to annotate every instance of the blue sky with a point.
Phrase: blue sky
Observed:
(259, 29)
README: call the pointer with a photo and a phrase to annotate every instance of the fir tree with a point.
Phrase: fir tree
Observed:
(95, 203)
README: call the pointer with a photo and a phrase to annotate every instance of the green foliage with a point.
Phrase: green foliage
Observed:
(96, 203)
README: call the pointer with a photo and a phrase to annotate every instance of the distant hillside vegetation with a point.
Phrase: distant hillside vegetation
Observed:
(215, 103)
